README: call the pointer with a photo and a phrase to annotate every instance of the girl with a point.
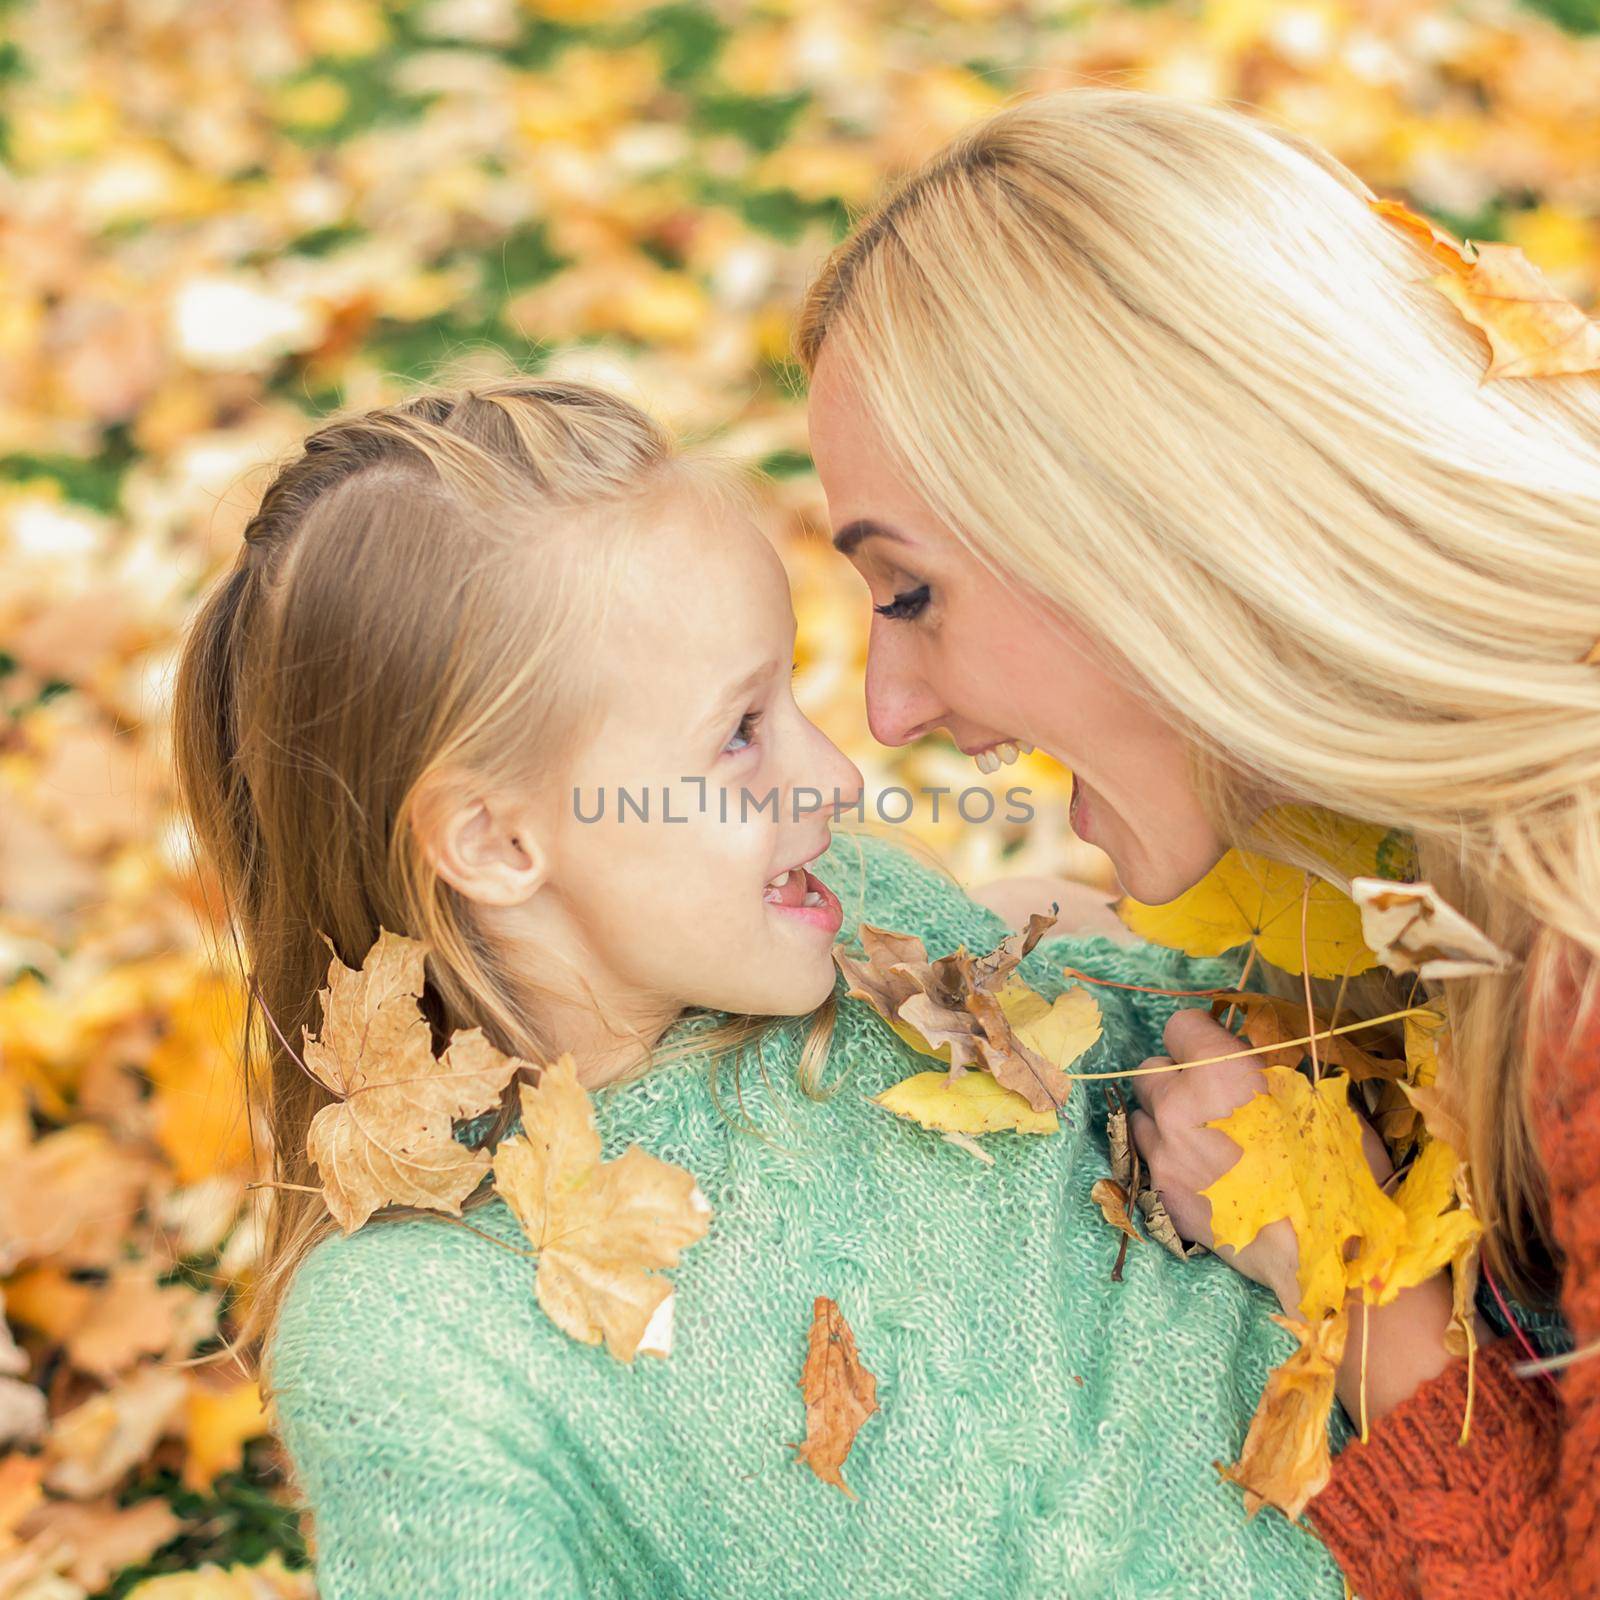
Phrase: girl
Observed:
(453, 626)
(1158, 450)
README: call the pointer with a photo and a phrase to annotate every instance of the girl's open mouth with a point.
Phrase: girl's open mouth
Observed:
(797, 893)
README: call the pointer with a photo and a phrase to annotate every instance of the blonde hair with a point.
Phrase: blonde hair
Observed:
(1162, 363)
(418, 594)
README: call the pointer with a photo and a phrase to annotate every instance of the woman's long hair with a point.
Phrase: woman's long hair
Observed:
(1162, 363)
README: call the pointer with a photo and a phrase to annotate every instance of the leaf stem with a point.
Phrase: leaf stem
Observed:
(1316, 1065)
(1246, 1055)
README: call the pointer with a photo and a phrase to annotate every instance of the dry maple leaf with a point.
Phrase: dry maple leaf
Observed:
(91, 1543)
(1128, 1170)
(1533, 331)
(1269, 1020)
(970, 1011)
(840, 1394)
(1285, 1459)
(1411, 928)
(602, 1229)
(1444, 247)
(388, 1138)
(1112, 1198)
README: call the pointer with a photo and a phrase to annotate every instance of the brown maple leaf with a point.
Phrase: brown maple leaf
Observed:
(602, 1229)
(840, 1394)
(388, 1137)
(1269, 1020)
(957, 1007)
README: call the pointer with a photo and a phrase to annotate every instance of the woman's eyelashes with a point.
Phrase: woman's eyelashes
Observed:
(744, 736)
(907, 604)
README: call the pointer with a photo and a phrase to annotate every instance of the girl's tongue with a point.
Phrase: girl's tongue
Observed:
(788, 890)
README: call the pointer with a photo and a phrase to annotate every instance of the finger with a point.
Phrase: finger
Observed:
(1150, 1086)
(1145, 1132)
(1198, 1036)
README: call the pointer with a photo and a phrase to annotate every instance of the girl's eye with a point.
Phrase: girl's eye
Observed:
(905, 606)
(744, 735)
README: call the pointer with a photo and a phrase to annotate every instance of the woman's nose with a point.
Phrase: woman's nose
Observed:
(900, 705)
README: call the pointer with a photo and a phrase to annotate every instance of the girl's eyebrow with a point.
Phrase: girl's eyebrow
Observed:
(733, 696)
(852, 533)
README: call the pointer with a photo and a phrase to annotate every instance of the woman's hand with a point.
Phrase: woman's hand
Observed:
(1184, 1156)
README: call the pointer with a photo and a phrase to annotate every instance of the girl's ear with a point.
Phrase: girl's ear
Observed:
(487, 849)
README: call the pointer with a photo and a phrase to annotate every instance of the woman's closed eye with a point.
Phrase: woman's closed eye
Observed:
(744, 736)
(906, 605)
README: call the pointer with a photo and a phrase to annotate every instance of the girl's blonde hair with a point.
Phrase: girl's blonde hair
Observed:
(419, 595)
(1163, 364)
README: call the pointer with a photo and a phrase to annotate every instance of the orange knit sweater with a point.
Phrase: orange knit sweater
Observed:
(1516, 1512)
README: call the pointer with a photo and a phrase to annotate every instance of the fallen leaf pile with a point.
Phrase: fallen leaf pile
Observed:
(214, 229)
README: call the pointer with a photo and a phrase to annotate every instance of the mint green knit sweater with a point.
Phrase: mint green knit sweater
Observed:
(1044, 1432)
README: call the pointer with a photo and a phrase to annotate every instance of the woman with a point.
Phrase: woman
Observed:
(1157, 451)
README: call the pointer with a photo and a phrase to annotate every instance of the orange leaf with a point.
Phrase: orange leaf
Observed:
(1533, 331)
(1112, 1198)
(1446, 249)
(840, 1394)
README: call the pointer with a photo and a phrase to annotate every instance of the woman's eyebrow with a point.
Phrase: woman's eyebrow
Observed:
(852, 533)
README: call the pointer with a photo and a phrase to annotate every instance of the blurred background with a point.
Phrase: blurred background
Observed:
(219, 217)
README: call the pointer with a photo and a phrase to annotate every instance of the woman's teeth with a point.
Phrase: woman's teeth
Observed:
(1001, 755)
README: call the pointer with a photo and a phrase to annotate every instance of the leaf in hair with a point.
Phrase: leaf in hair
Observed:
(388, 1138)
(602, 1229)
(1533, 331)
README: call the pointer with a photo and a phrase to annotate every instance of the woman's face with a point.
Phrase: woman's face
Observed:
(953, 646)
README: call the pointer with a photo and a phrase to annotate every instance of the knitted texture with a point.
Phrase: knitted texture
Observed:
(1517, 1511)
(1044, 1431)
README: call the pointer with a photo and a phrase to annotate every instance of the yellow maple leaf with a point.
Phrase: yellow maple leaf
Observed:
(602, 1229)
(1438, 1231)
(1252, 901)
(218, 1424)
(388, 1138)
(1285, 1459)
(1301, 1159)
(974, 1103)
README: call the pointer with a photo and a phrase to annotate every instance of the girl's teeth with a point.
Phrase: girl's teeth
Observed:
(1024, 749)
(812, 898)
(1008, 752)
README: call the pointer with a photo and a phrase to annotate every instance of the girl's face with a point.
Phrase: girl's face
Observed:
(678, 869)
(953, 646)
